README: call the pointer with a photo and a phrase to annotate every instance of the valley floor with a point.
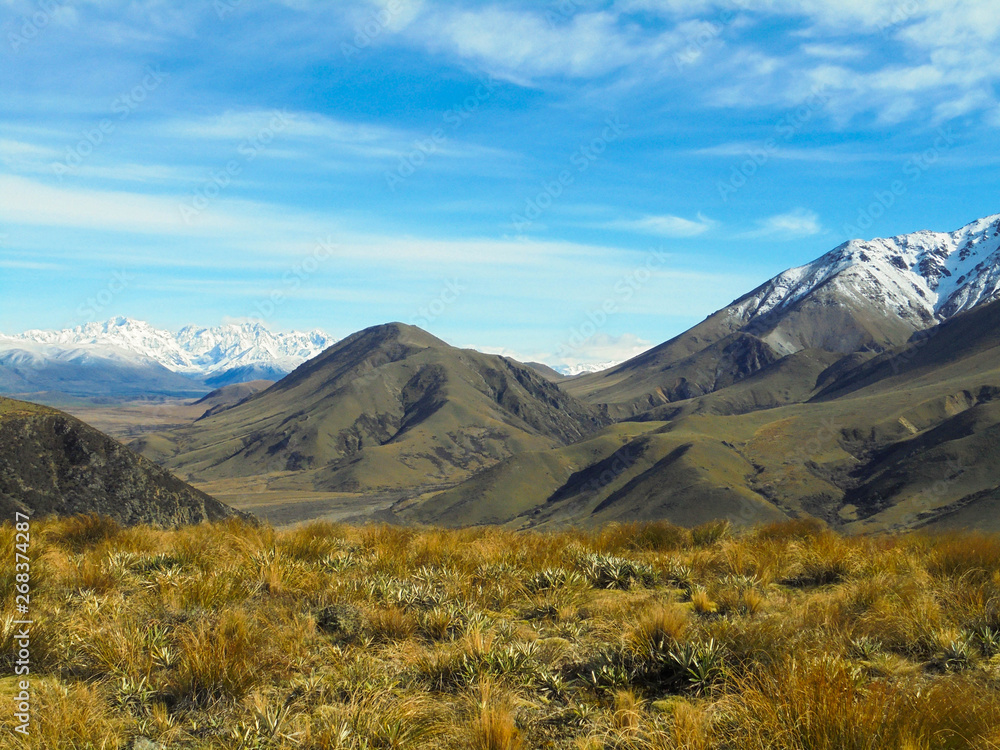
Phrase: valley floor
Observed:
(131, 419)
(631, 637)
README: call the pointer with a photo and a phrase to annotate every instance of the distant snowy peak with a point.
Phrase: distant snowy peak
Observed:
(925, 276)
(580, 369)
(192, 350)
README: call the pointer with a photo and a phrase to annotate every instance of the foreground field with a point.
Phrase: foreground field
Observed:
(232, 636)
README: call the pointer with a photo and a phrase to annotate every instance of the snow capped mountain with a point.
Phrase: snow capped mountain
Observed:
(863, 297)
(924, 277)
(581, 368)
(193, 351)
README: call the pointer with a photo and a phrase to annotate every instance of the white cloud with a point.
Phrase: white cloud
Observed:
(601, 348)
(664, 225)
(971, 101)
(274, 231)
(279, 133)
(834, 51)
(17, 150)
(794, 224)
(834, 155)
(941, 63)
(520, 44)
(30, 265)
(524, 46)
(33, 203)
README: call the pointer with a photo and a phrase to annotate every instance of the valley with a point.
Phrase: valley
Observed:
(860, 390)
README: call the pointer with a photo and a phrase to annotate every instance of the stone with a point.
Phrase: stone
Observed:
(341, 620)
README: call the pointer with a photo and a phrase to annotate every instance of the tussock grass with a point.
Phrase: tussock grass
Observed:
(632, 637)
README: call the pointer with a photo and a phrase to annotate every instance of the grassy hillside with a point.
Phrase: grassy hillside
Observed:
(642, 637)
(630, 471)
(230, 395)
(389, 407)
(900, 440)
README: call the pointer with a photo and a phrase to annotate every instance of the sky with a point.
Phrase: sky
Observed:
(567, 182)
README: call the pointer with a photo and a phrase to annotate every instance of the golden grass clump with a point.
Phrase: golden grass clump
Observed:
(658, 627)
(493, 725)
(70, 714)
(632, 637)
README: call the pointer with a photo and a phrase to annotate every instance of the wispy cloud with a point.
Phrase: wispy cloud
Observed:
(600, 349)
(794, 224)
(834, 51)
(664, 225)
(827, 154)
(700, 83)
(526, 45)
(31, 265)
(297, 134)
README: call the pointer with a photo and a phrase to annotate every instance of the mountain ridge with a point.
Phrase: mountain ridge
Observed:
(126, 359)
(388, 407)
(193, 350)
(862, 296)
(905, 439)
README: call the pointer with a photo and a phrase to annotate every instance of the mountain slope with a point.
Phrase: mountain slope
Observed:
(627, 472)
(908, 438)
(51, 463)
(389, 407)
(864, 296)
(228, 396)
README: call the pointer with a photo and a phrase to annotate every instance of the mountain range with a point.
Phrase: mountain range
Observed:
(862, 298)
(125, 358)
(860, 389)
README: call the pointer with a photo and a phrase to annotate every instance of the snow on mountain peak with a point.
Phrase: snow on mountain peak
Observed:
(193, 350)
(571, 370)
(925, 276)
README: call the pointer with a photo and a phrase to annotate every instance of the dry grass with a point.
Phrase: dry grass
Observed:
(633, 637)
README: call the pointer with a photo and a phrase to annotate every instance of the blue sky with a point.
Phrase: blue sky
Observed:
(569, 182)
